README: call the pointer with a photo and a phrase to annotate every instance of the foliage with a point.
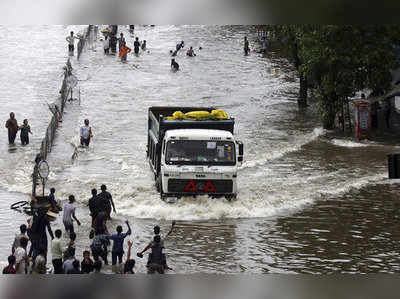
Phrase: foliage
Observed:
(342, 59)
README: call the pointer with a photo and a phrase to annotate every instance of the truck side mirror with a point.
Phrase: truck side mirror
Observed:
(240, 148)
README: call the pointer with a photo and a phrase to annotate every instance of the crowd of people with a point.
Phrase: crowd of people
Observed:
(111, 41)
(63, 252)
(174, 53)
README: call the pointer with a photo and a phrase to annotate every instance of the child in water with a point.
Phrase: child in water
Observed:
(25, 130)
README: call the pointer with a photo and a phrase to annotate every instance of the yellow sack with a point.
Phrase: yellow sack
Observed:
(176, 115)
(219, 114)
(198, 115)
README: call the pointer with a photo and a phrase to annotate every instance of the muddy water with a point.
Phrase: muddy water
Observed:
(309, 201)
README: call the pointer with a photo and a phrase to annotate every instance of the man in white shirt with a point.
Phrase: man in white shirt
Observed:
(18, 237)
(71, 42)
(86, 133)
(69, 215)
(67, 266)
(57, 251)
(106, 45)
(21, 258)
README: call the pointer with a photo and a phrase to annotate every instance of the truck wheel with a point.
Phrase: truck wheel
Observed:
(230, 197)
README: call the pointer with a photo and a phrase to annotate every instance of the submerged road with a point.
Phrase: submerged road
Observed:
(308, 202)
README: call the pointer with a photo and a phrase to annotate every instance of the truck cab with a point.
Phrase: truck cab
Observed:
(191, 158)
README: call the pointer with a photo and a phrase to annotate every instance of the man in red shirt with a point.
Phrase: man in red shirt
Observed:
(10, 268)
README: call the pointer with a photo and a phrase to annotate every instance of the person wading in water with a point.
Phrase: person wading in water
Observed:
(106, 201)
(246, 46)
(12, 126)
(86, 133)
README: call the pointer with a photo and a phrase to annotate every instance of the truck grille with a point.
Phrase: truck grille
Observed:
(200, 186)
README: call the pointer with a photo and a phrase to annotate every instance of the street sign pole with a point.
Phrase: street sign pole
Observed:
(43, 184)
(43, 172)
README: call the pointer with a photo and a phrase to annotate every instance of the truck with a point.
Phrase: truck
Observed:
(192, 157)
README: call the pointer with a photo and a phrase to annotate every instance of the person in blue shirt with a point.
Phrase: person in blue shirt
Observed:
(118, 243)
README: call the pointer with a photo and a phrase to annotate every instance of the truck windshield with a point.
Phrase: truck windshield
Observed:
(198, 152)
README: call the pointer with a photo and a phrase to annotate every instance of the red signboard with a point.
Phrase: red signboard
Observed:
(362, 119)
(191, 187)
(208, 187)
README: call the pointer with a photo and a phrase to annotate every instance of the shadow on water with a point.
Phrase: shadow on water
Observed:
(12, 149)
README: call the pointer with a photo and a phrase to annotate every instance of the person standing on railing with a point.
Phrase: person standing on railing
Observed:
(86, 133)
(12, 126)
(71, 43)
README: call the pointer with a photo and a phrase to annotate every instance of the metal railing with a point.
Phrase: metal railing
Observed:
(50, 134)
(87, 34)
(58, 110)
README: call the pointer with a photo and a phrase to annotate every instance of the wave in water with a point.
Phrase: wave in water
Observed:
(300, 141)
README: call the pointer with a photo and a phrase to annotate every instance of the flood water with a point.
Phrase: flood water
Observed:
(309, 201)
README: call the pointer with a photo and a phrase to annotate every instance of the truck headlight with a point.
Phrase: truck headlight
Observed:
(172, 174)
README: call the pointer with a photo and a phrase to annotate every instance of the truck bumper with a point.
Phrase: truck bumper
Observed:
(203, 186)
(186, 187)
(228, 196)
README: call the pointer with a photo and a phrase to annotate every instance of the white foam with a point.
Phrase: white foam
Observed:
(266, 156)
(349, 143)
(144, 202)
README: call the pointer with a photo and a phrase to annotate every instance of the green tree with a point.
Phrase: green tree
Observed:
(288, 37)
(343, 59)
